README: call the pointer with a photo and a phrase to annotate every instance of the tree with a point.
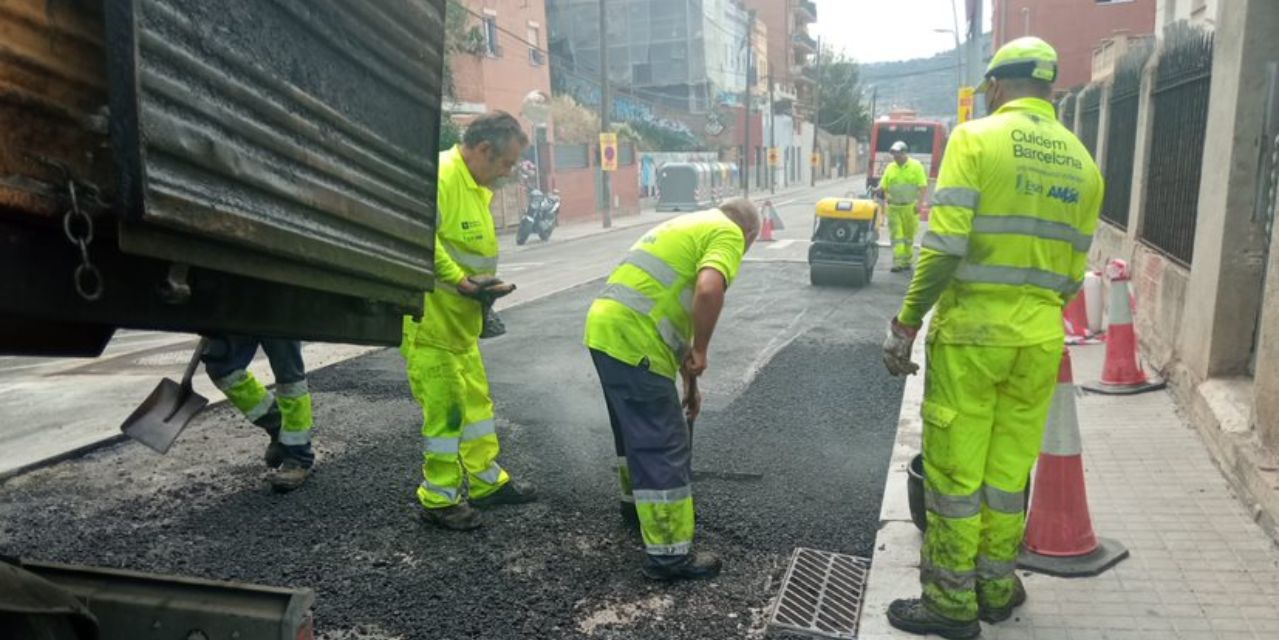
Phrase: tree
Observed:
(842, 111)
(574, 123)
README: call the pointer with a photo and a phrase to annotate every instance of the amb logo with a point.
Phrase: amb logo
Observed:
(1068, 195)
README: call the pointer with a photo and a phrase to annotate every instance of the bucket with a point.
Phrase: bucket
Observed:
(915, 492)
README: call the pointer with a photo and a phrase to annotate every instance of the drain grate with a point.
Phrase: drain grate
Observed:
(821, 594)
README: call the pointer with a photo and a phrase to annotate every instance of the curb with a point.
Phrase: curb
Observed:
(894, 569)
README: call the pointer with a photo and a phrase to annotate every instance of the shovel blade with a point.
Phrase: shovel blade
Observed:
(157, 422)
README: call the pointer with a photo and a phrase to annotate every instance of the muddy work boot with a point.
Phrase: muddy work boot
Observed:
(913, 616)
(513, 492)
(270, 423)
(294, 469)
(1000, 614)
(694, 566)
(459, 517)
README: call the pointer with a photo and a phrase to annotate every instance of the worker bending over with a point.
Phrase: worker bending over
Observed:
(652, 322)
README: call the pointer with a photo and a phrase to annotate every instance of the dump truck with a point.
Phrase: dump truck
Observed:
(262, 167)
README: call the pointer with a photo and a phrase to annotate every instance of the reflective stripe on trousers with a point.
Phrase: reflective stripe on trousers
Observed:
(459, 437)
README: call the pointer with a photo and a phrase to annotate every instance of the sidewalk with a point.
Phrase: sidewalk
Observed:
(1200, 567)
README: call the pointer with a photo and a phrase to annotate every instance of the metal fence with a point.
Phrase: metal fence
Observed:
(1121, 135)
(1182, 86)
(1090, 119)
(1066, 110)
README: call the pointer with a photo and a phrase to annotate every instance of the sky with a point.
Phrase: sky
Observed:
(884, 30)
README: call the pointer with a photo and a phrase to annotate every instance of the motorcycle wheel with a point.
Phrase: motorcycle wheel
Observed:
(521, 236)
(545, 234)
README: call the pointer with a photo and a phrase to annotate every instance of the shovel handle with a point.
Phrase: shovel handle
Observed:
(194, 363)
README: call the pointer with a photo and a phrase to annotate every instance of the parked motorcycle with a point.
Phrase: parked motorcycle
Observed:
(541, 216)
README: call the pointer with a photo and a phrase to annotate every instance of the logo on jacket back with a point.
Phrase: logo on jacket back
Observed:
(1068, 195)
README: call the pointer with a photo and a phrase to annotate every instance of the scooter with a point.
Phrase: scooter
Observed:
(541, 216)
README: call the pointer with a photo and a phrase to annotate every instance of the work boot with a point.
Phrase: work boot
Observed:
(694, 566)
(1000, 614)
(913, 616)
(895, 269)
(513, 492)
(270, 423)
(459, 517)
(294, 469)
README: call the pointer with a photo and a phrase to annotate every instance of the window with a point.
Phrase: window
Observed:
(491, 47)
(535, 55)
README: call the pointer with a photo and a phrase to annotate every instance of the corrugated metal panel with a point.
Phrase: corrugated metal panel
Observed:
(53, 99)
(290, 140)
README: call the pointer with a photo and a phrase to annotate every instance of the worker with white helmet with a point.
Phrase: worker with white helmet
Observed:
(903, 182)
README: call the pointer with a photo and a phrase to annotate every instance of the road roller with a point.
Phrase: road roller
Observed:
(845, 242)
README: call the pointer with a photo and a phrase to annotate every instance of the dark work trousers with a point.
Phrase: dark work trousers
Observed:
(225, 354)
(650, 432)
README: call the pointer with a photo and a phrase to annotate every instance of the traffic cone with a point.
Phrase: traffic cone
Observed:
(1059, 536)
(1075, 317)
(766, 230)
(1122, 373)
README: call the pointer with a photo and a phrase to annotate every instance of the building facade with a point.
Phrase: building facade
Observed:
(507, 61)
(790, 51)
(1073, 27)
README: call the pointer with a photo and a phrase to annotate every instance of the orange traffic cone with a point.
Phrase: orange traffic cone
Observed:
(1122, 373)
(1075, 317)
(766, 230)
(1059, 536)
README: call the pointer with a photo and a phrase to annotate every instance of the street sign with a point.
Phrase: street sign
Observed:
(965, 104)
(774, 156)
(608, 152)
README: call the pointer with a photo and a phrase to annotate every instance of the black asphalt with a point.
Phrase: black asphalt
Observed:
(792, 450)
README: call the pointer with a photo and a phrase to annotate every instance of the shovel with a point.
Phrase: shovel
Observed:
(165, 413)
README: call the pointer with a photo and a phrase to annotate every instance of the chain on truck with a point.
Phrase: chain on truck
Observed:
(180, 166)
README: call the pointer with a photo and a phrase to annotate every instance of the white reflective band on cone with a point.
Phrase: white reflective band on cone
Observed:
(1061, 438)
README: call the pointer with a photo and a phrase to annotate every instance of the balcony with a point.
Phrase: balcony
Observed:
(804, 74)
(806, 11)
(802, 40)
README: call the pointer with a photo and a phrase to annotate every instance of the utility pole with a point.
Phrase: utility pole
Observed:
(772, 135)
(750, 56)
(975, 67)
(605, 108)
(817, 118)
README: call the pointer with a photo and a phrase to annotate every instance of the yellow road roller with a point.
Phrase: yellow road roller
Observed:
(845, 242)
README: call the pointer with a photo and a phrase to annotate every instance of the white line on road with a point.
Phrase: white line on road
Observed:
(779, 244)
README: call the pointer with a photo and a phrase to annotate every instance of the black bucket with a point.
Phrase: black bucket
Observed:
(915, 492)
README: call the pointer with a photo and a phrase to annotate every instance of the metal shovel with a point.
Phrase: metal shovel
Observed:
(165, 413)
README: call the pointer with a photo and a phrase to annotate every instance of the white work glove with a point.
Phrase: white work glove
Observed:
(897, 347)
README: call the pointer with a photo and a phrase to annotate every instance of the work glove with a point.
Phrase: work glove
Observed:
(487, 289)
(897, 348)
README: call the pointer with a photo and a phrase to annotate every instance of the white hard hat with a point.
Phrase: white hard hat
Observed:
(898, 146)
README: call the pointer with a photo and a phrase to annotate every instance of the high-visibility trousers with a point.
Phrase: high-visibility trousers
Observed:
(226, 360)
(903, 225)
(984, 413)
(458, 432)
(654, 454)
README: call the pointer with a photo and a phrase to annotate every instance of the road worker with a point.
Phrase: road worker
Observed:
(903, 182)
(284, 414)
(1014, 212)
(652, 322)
(442, 352)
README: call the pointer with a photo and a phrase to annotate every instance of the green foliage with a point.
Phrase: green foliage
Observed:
(654, 137)
(450, 133)
(842, 110)
(574, 123)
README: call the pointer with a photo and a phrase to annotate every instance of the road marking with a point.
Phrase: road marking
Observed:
(519, 266)
(780, 244)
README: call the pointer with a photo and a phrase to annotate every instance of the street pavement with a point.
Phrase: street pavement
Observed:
(1200, 567)
(793, 449)
(54, 407)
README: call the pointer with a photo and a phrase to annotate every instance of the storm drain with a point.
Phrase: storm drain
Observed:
(821, 594)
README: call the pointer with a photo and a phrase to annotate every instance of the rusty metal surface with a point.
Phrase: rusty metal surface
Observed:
(53, 100)
(289, 140)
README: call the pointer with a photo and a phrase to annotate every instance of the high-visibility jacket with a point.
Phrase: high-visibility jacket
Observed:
(465, 245)
(645, 311)
(902, 184)
(1017, 203)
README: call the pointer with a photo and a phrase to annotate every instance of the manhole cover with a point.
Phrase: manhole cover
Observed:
(821, 594)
